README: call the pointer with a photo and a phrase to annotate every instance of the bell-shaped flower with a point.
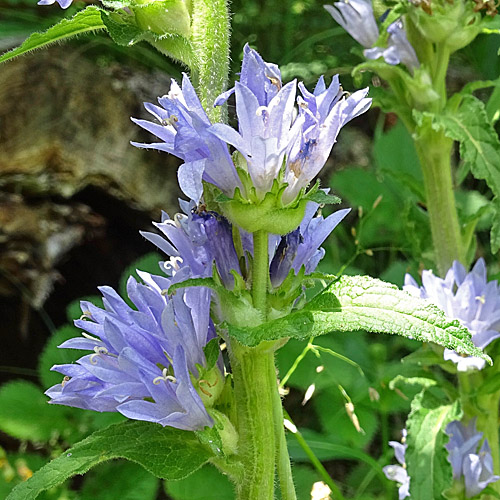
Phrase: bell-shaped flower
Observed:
(64, 4)
(323, 112)
(475, 467)
(276, 144)
(356, 17)
(399, 49)
(301, 248)
(195, 240)
(146, 359)
(468, 297)
(398, 473)
(182, 126)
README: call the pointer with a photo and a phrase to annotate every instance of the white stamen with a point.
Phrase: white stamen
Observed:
(98, 351)
(165, 377)
(87, 336)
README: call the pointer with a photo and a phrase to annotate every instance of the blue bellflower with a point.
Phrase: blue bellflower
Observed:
(143, 359)
(183, 128)
(467, 462)
(468, 297)
(301, 248)
(398, 473)
(64, 4)
(197, 239)
(357, 18)
(274, 141)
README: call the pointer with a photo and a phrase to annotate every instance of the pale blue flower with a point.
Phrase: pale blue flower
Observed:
(468, 297)
(399, 50)
(301, 248)
(398, 473)
(64, 4)
(475, 467)
(323, 112)
(143, 359)
(357, 18)
(274, 141)
(183, 128)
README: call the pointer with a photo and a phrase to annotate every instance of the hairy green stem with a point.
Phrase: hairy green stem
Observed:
(434, 151)
(254, 377)
(260, 272)
(283, 459)
(210, 38)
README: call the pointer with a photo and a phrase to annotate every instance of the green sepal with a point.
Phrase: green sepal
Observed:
(268, 214)
(212, 352)
(163, 16)
(355, 303)
(235, 308)
(317, 195)
(124, 30)
(452, 24)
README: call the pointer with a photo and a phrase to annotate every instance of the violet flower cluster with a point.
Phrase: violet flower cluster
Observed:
(274, 140)
(148, 361)
(357, 18)
(144, 360)
(468, 297)
(472, 465)
(398, 473)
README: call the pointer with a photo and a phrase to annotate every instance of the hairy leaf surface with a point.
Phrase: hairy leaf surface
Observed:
(362, 303)
(426, 456)
(85, 21)
(166, 452)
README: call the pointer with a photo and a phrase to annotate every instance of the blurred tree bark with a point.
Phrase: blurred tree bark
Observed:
(64, 129)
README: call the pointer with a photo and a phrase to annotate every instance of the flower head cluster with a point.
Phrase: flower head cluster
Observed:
(144, 360)
(197, 239)
(273, 140)
(356, 17)
(473, 465)
(398, 473)
(468, 297)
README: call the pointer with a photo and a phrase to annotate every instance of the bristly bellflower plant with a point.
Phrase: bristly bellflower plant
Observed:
(189, 355)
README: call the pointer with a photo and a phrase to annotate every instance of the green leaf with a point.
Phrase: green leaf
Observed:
(166, 452)
(323, 198)
(212, 351)
(362, 303)
(479, 149)
(194, 487)
(26, 414)
(130, 482)
(426, 457)
(124, 31)
(85, 21)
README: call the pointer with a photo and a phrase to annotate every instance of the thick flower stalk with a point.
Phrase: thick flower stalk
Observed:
(468, 297)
